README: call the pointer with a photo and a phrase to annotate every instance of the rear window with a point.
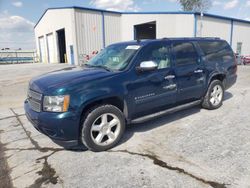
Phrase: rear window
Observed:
(217, 51)
(185, 53)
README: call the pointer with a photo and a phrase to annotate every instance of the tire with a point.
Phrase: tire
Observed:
(102, 128)
(214, 96)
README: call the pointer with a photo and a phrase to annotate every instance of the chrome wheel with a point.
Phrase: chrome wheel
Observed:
(216, 95)
(105, 129)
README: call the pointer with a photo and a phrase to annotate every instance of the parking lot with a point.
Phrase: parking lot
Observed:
(191, 148)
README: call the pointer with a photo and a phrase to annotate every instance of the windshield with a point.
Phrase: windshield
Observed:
(114, 57)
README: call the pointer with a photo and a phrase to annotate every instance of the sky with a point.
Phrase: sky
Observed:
(18, 17)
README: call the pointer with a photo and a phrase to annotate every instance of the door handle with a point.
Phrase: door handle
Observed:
(171, 87)
(198, 71)
(169, 77)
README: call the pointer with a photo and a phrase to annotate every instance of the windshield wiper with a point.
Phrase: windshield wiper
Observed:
(87, 65)
(99, 66)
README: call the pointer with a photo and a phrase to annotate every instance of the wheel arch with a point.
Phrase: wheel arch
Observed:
(113, 100)
(217, 76)
(116, 101)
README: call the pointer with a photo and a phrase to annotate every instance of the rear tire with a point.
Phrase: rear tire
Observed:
(214, 96)
(102, 128)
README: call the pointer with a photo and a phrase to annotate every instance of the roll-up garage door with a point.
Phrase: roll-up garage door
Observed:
(42, 49)
(51, 48)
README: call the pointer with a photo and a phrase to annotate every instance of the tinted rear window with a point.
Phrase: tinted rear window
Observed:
(217, 51)
(185, 53)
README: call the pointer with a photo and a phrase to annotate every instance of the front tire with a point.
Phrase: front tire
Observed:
(214, 96)
(102, 128)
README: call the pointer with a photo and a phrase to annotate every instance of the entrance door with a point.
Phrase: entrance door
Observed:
(153, 90)
(61, 45)
(145, 31)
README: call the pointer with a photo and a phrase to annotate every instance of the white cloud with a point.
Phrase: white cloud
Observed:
(115, 5)
(172, 1)
(16, 32)
(248, 3)
(17, 3)
(16, 24)
(231, 4)
(216, 3)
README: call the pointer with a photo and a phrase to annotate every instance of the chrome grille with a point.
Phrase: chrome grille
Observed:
(36, 106)
(34, 95)
(35, 100)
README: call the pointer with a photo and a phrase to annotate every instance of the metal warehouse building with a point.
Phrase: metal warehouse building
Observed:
(67, 34)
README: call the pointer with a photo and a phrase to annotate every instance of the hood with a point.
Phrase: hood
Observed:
(64, 77)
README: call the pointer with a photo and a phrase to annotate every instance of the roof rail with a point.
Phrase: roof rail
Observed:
(190, 38)
(207, 37)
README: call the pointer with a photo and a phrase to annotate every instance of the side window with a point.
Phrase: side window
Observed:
(159, 53)
(219, 51)
(185, 53)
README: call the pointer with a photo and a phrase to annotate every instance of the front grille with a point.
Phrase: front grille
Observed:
(35, 100)
(34, 95)
(36, 106)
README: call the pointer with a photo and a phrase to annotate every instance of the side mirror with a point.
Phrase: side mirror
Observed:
(147, 66)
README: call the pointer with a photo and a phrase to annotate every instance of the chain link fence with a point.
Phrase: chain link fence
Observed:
(18, 56)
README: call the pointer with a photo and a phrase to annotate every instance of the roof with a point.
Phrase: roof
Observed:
(117, 12)
(223, 17)
(76, 7)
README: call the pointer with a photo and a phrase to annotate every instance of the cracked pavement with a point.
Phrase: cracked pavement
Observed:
(191, 148)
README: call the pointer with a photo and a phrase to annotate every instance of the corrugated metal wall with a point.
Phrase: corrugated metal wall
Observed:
(213, 27)
(112, 28)
(88, 31)
(167, 25)
(241, 33)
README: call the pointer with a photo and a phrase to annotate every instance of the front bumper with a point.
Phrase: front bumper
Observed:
(62, 128)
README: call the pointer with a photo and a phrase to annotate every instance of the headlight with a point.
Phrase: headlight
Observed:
(56, 103)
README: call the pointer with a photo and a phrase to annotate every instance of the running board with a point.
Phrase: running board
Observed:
(164, 112)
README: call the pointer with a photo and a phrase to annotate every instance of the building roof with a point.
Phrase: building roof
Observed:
(117, 12)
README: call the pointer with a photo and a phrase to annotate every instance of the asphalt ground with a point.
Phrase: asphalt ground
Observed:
(191, 148)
